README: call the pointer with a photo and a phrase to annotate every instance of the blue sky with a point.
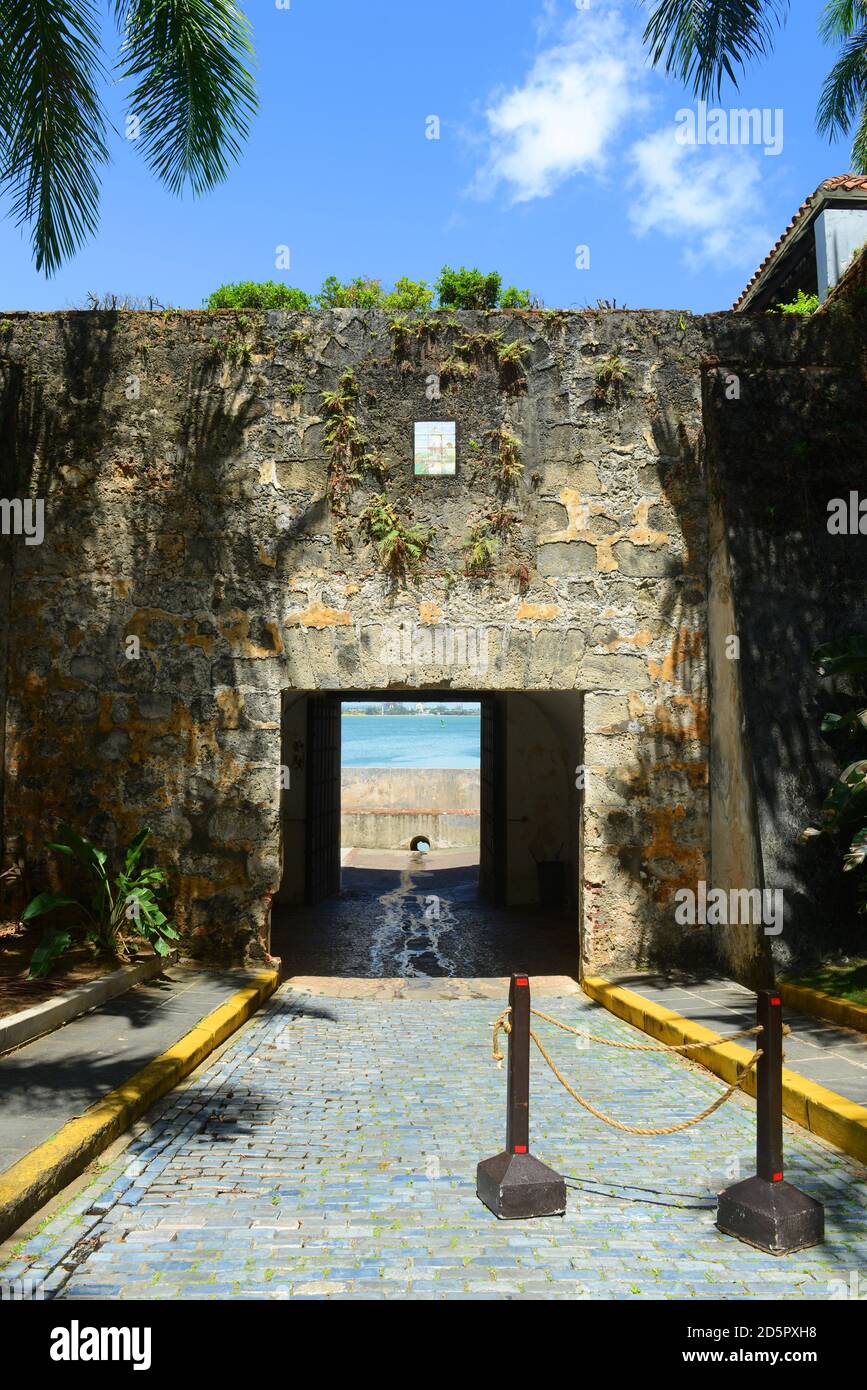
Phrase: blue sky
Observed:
(554, 134)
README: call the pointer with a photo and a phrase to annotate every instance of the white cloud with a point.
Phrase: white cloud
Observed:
(562, 120)
(707, 197)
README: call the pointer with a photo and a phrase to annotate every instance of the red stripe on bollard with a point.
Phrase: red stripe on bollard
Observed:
(514, 1183)
(767, 1211)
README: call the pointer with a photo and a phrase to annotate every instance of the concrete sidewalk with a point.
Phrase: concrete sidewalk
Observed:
(54, 1078)
(820, 1052)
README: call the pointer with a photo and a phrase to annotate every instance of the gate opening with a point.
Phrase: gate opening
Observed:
(497, 809)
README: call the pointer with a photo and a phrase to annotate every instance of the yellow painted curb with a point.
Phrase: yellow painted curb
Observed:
(822, 1112)
(827, 1006)
(40, 1174)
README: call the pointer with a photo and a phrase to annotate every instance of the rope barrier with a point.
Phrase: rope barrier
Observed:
(641, 1129)
(764, 1210)
(502, 1023)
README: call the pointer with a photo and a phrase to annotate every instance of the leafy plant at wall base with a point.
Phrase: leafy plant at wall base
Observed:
(120, 908)
(401, 546)
(844, 813)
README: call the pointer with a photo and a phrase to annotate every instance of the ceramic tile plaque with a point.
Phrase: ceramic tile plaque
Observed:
(436, 452)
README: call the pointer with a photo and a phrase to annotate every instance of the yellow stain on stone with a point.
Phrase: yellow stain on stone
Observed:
(686, 647)
(235, 627)
(641, 532)
(185, 629)
(579, 527)
(430, 613)
(537, 612)
(319, 615)
(265, 558)
(230, 702)
(637, 639)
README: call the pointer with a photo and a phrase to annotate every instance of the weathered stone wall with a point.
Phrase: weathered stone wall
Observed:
(186, 483)
(794, 440)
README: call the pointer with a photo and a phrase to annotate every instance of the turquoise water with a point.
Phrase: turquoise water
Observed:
(413, 740)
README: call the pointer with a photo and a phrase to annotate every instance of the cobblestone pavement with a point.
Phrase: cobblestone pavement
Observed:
(330, 1152)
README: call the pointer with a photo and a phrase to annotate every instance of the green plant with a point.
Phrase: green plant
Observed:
(513, 353)
(343, 440)
(513, 298)
(120, 907)
(362, 292)
(264, 294)
(610, 374)
(479, 548)
(511, 358)
(468, 289)
(409, 296)
(844, 813)
(401, 546)
(295, 388)
(507, 456)
(802, 304)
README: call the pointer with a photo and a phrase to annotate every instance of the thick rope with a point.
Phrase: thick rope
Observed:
(640, 1129)
(648, 1047)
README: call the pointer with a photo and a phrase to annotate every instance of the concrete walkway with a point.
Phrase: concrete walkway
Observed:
(330, 1151)
(49, 1081)
(821, 1052)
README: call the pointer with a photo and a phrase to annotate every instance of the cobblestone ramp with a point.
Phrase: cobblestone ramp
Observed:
(330, 1153)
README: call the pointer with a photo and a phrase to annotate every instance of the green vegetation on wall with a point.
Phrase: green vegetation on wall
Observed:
(456, 289)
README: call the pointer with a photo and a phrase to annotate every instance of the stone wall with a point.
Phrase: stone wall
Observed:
(193, 572)
(386, 808)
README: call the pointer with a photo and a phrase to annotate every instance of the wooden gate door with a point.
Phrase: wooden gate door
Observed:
(492, 801)
(322, 878)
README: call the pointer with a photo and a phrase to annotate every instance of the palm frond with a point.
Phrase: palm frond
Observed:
(840, 18)
(704, 41)
(859, 144)
(194, 96)
(844, 93)
(52, 126)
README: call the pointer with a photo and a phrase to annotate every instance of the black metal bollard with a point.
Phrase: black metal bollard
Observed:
(513, 1183)
(767, 1211)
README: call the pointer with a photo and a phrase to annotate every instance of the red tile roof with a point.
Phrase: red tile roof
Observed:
(839, 183)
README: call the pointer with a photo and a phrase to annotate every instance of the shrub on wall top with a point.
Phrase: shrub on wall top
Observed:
(457, 289)
(267, 294)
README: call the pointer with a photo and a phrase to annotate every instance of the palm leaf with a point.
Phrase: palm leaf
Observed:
(193, 94)
(47, 902)
(704, 41)
(52, 126)
(136, 845)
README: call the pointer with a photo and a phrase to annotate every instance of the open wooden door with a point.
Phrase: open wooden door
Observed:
(492, 800)
(322, 876)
